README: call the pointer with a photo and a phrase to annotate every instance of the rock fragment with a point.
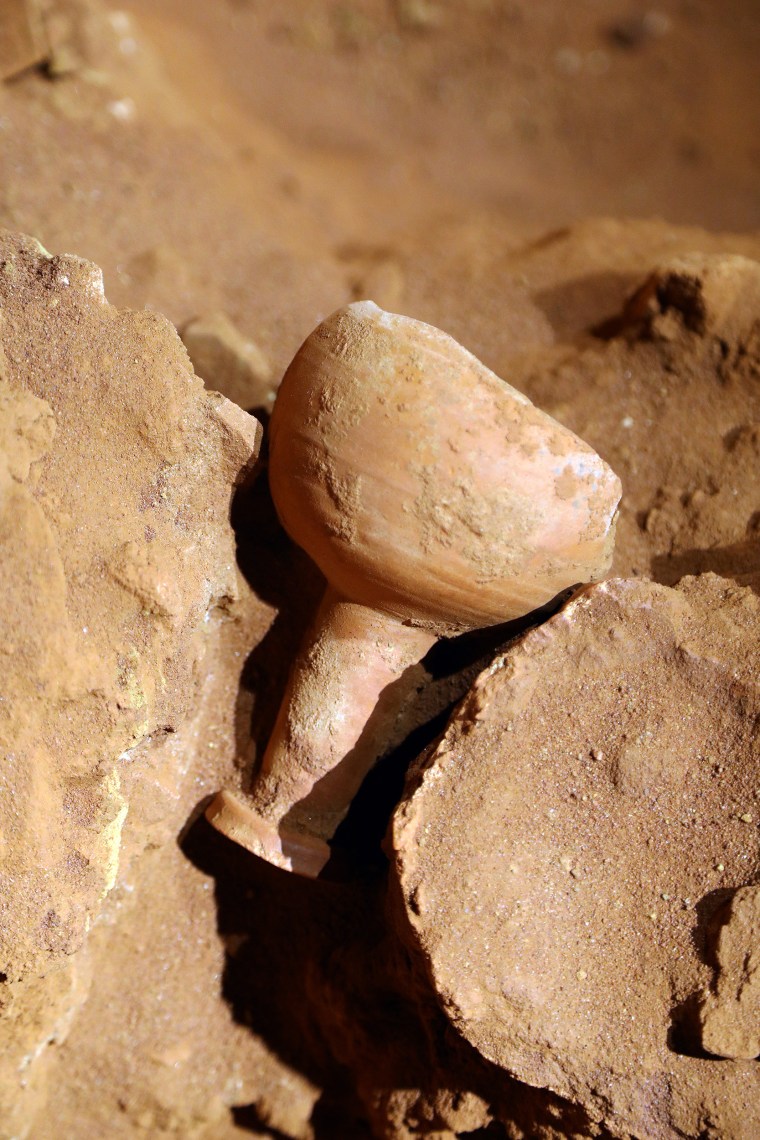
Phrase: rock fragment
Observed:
(229, 362)
(118, 564)
(116, 545)
(730, 1016)
(600, 769)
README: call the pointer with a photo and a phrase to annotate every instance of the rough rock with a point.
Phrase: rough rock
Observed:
(117, 472)
(112, 579)
(21, 41)
(562, 850)
(730, 1014)
(229, 362)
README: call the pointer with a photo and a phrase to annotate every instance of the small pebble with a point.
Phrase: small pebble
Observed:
(123, 109)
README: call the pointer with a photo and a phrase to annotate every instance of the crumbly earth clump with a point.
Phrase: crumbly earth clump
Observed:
(604, 772)
(119, 676)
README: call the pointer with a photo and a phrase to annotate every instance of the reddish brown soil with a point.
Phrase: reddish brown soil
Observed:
(452, 162)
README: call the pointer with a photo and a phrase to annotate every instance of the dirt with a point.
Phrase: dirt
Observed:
(573, 193)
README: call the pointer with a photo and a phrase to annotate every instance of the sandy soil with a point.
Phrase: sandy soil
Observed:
(571, 190)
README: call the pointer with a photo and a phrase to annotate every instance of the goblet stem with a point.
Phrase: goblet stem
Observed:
(354, 676)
